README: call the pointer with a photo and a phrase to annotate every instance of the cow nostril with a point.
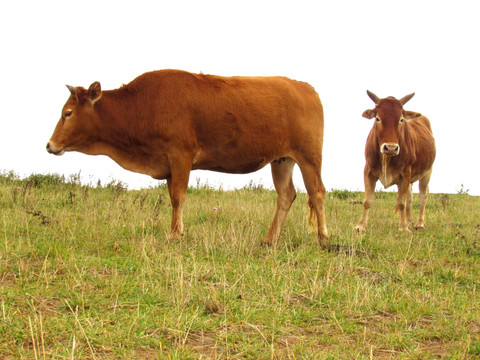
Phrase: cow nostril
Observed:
(390, 149)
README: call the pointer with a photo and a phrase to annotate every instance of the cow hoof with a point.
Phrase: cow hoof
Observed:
(266, 244)
(419, 227)
(173, 236)
(359, 228)
(323, 241)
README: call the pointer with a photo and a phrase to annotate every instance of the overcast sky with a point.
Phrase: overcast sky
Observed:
(341, 48)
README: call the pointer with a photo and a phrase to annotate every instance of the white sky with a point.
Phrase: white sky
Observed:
(341, 48)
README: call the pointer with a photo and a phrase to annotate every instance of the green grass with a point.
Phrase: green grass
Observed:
(86, 273)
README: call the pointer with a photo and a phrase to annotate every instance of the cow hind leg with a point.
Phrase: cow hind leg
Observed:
(282, 170)
(177, 188)
(316, 198)
(423, 187)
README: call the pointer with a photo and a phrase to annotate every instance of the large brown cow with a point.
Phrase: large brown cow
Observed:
(400, 150)
(169, 122)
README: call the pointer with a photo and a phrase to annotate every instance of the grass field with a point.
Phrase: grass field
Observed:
(86, 273)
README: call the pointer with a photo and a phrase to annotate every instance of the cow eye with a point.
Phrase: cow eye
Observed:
(377, 120)
(401, 121)
(68, 113)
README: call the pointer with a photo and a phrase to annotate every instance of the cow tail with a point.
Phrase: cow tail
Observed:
(312, 216)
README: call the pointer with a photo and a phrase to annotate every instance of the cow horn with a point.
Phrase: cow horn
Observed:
(73, 89)
(406, 98)
(373, 96)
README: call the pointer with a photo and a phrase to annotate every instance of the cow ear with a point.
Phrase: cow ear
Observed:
(369, 114)
(95, 92)
(409, 115)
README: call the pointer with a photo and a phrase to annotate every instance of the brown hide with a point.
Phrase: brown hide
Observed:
(400, 149)
(167, 123)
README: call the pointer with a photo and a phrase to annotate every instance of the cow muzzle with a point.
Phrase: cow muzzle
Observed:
(52, 149)
(390, 149)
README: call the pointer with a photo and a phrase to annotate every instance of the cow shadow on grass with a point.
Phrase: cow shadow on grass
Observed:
(347, 250)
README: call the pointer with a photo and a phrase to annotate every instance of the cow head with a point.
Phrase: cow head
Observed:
(77, 124)
(389, 120)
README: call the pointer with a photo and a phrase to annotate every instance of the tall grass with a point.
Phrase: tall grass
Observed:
(86, 273)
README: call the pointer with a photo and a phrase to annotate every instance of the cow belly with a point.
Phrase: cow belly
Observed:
(233, 167)
(419, 176)
(240, 164)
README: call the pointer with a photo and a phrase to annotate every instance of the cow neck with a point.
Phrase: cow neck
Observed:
(118, 133)
(116, 123)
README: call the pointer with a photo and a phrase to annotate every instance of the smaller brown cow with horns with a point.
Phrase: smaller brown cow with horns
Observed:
(400, 150)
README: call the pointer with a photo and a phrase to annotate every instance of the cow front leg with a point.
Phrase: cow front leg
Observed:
(400, 206)
(177, 188)
(370, 182)
(316, 197)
